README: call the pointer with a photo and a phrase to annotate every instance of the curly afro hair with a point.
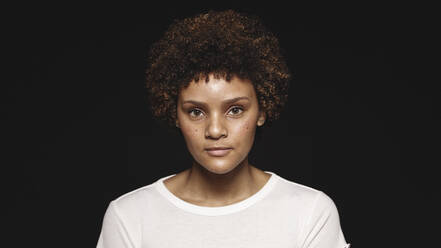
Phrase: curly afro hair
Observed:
(224, 44)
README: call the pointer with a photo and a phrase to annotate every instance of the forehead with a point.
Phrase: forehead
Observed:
(217, 89)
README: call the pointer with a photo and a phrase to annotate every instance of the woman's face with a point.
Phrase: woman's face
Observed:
(218, 120)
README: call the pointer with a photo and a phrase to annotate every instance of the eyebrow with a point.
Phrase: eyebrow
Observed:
(228, 101)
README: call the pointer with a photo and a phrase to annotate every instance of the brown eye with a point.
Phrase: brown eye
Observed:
(195, 113)
(236, 110)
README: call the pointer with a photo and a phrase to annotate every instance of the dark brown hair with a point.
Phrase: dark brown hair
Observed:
(222, 43)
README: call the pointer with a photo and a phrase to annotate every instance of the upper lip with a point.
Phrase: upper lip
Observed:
(217, 148)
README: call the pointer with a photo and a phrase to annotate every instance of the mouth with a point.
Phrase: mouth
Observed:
(218, 152)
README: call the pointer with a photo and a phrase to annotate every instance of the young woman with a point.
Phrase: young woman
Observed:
(218, 77)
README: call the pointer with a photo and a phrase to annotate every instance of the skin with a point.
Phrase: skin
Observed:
(207, 119)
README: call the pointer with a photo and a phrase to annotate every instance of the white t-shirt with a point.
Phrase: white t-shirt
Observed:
(281, 214)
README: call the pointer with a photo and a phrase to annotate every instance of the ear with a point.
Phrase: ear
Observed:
(177, 123)
(261, 119)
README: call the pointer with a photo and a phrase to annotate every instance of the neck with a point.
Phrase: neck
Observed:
(221, 189)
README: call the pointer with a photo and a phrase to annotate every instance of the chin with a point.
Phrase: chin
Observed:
(219, 167)
(218, 171)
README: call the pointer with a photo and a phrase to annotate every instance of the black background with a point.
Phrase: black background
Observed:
(362, 123)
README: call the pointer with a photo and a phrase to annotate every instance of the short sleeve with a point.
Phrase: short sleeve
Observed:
(113, 232)
(322, 228)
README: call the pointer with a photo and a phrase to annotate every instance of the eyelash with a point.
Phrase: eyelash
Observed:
(235, 107)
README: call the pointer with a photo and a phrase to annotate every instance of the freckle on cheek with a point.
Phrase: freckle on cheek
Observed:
(247, 126)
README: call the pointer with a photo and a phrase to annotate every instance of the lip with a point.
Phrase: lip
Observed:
(218, 151)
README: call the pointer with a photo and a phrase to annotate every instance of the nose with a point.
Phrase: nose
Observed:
(215, 128)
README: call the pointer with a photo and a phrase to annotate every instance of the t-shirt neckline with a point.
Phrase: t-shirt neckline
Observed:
(214, 211)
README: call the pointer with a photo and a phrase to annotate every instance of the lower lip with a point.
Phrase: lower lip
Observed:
(218, 153)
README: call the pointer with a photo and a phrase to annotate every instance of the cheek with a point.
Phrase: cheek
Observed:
(246, 128)
(191, 134)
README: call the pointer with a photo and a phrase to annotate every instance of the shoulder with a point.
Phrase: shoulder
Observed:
(304, 196)
(124, 217)
(319, 218)
(298, 191)
(134, 201)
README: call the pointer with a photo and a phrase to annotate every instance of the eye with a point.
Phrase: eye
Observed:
(195, 113)
(236, 110)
